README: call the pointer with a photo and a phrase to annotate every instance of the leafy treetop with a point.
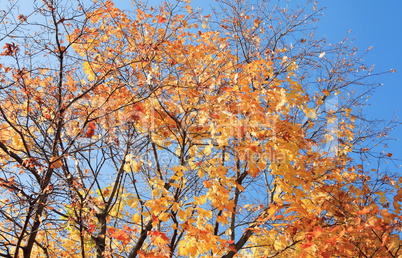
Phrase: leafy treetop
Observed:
(166, 132)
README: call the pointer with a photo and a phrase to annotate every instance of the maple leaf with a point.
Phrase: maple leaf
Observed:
(121, 235)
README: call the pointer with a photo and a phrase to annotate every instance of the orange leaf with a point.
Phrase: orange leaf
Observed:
(214, 115)
(159, 234)
(119, 235)
(365, 210)
(306, 245)
(55, 162)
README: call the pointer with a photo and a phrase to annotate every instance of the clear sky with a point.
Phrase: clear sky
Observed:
(373, 23)
(378, 24)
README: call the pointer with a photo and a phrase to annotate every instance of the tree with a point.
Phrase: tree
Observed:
(168, 132)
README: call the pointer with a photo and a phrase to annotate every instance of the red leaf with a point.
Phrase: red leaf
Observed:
(91, 228)
(91, 130)
(161, 19)
(154, 218)
(214, 115)
(306, 245)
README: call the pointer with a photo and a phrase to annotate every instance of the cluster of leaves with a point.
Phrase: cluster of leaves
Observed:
(166, 132)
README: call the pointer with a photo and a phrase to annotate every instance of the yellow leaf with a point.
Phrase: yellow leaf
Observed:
(136, 218)
(88, 70)
(279, 245)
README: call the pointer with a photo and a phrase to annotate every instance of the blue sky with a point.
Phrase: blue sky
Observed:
(378, 24)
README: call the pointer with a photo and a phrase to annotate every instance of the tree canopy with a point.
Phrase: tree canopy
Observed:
(165, 131)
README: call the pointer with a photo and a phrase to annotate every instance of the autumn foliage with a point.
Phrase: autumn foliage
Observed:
(165, 131)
